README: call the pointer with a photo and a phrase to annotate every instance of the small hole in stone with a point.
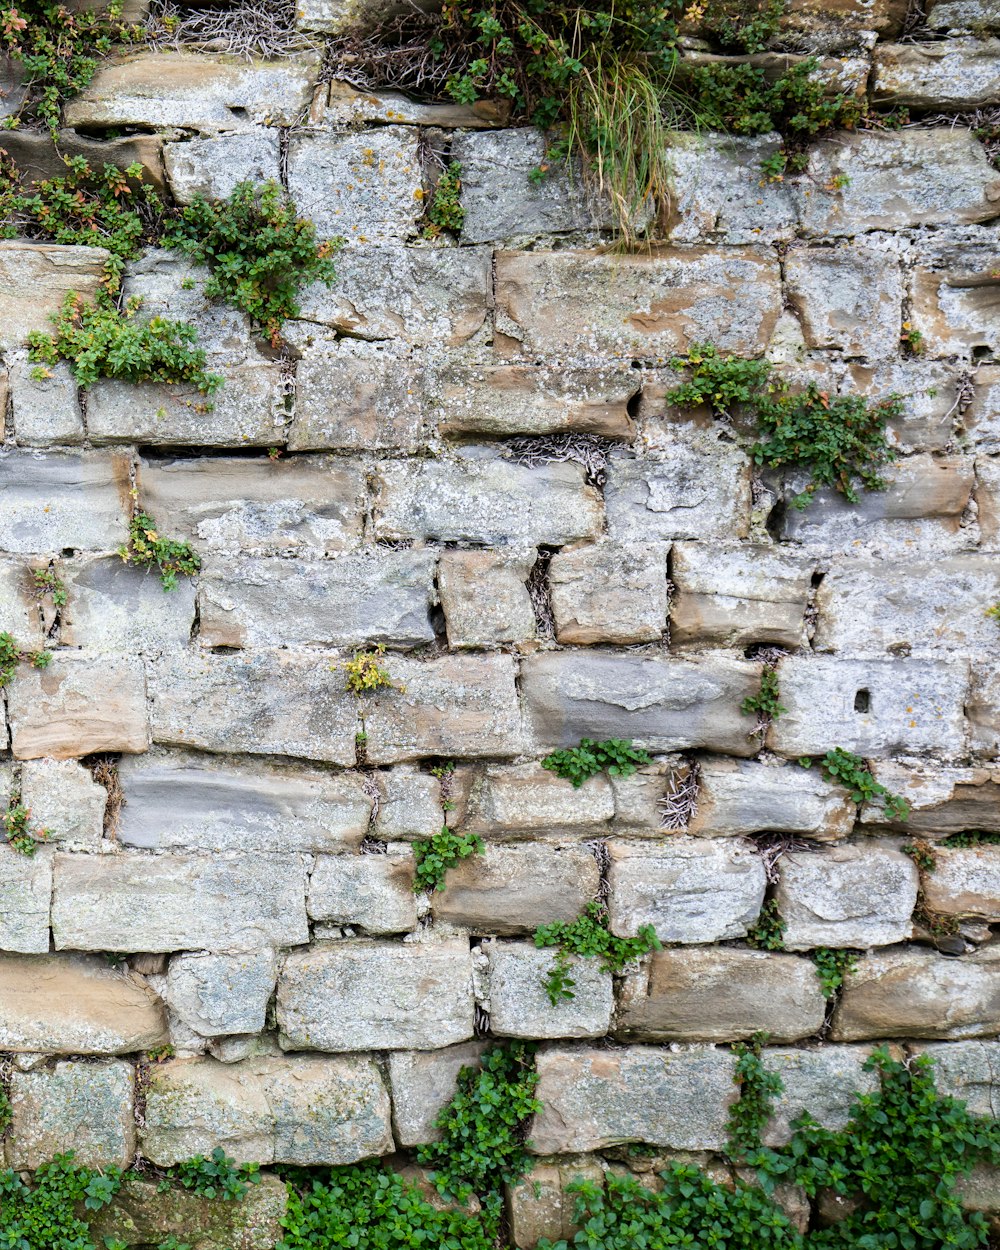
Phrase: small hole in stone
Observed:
(863, 701)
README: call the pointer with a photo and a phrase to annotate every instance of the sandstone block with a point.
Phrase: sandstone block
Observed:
(720, 996)
(59, 500)
(219, 995)
(35, 279)
(962, 74)
(690, 890)
(64, 798)
(739, 797)
(639, 799)
(942, 801)
(609, 592)
(966, 1070)
(953, 300)
(342, 105)
(520, 1006)
(25, 889)
(424, 999)
(40, 157)
(373, 892)
(423, 1082)
(597, 1098)
(927, 388)
(212, 168)
(526, 799)
(542, 1205)
(484, 597)
(86, 1107)
(822, 1081)
(116, 608)
(46, 410)
(409, 804)
(178, 902)
(965, 882)
(848, 298)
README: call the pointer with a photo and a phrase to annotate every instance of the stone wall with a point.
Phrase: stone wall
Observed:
(478, 469)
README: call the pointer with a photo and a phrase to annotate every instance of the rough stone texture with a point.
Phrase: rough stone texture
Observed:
(542, 1205)
(25, 889)
(484, 597)
(38, 157)
(965, 882)
(46, 410)
(720, 996)
(963, 15)
(423, 1082)
(849, 298)
(57, 500)
(830, 26)
(988, 501)
(64, 798)
(690, 890)
(409, 804)
(597, 1098)
(217, 995)
(138, 902)
(820, 1080)
(983, 709)
(116, 608)
(953, 299)
(748, 796)
(529, 800)
(372, 892)
(19, 614)
(942, 801)
(337, 16)
(424, 998)
(609, 592)
(35, 280)
(959, 74)
(966, 1070)
(520, 1006)
(846, 896)
(213, 167)
(86, 1107)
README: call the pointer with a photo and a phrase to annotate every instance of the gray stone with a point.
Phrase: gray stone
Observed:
(966, 1070)
(983, 709)
(543, 1204)
(981, 420)
(136, 902)
(832, 25)
(959, 74)
(85, 1107)
(58, 500)
(988, 501)
(212, 168)
(529, 800)
(45, 409)
(119, 609)
(25, 889)
(35, 279)
(519, 1004)
(822, 1081)
(609, 592)
(424, 998)
(942, 801)
(740, 797)
(409, 804)
(484, 597)
(344, 105)
(19, 614)
(339, 16)
(719, 995)
(849, 298)
(690, 890)
(953, 300)
(596, 1098)
(963, 15)
(65, 799)
(423, 1082)
(218, 995)
(372, 892)
(639, 799)
(965, 882)
(927, 388)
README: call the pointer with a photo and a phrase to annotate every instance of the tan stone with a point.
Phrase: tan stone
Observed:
(25, 891)
(609, 593)
(484, 597)
(541, 1205)
(85, 1107)
(529, 800)
(344, 105)
(38, 157)
(988, 500)
(965, 882)
(954, 302)
(35, 279)
(957, 74)
(941, 800)
(748, 796)
(423, 1082)
(832, 24)
(57, 500)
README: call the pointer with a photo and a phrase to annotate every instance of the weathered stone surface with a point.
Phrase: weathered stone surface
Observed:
(959, 74)
(896, 180)
(218, 995)
(409, 804)
(953, 298)
(982, 417)
(484, 597)
(748, 796)
(983, 709)
(966, 1070)
(849, 298)
(663, 705)
(609, 592)
(822, 1081)
(965, 882)
(963, 15)
(871, 707)
(116, 608)
(337, 16)
(78, 706)
(424, 998)
(639, 799)
(479, 497)
(25, 888)
(737, 596)
(46, 410)
(526, 799)
(372, 892)
(300, 1110)
(689, 889)
(264, 703)
(514, 889)
(68, 1004)
(541, 1204)
(39, 157)
(911, 993)
(423, 1083)
(720, 996)
(340, 104)
(19, 614)
(65, 799)
(35, 279)
(597, 1098)
(86, 1107)
(988, 501)
(63, 500)
(179, 902)
(519, 1004)
(927, 388)
(584, 304)
(941, 800)
(213, 167)
(830, 25)
(846, 896)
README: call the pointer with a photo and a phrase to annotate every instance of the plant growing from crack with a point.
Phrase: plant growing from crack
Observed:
(589, 936)
(147, 549)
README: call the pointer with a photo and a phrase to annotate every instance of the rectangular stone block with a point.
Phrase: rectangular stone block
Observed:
(424, 998)
(942, 800)
(740, 797)
(821, 1080)
(222, 995)
(959, 74)
(372, 892)
(988, 500)
(965, 882)
(409, 804)
(19, 613)
(953, 298)
(484, 597)
(542, 1203)
(927, 388)
(965, 1070)
(528, 800)
(423, 1082)
(982, 417)
(135, 902)
(609, 593)
(849, 298)
(46, 409)
(65, 799)
(212, 168)
(88, 1107)
(57, 500)
(116, 608)
(25, 889)
(983, 708)
(35, 279)
(519, 1005)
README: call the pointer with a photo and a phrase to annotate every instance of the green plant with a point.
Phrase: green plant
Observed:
(768, 934)
(48, 582)
(11, 655)
(994, 613)
(217, 1176)
(6, 1114)
(969, 838)
(765, 705)
(852, 773)
(18, 828)
(52, 1211)
(578, 764)
(911, 340)
(434, 856)
(922, 854)
(588, 935)
(160, 1054)
(749, 1115)
(831, 968)
(147, 549)
(365, 674)
(745, 27)
(445, 211)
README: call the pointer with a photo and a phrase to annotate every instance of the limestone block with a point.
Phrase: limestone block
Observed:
(35, 279)
(372, 892)
(137, 902)
(849, 298)
(423, 1082)
(663, 705)
(541, 1203)
(737, 596)
(720, 995)
(595, 1098)
(78, 705)
(514, 889)
(520, 1006)
(896, 180)
(689, 889)
(609, 592)
(118, 609)
(581, 304)
(424, 998)
(830, 25)
(526, 799)
(982, 417)
(288, 1109)
(53, 501)
(25, 889)
(46, 410)
(871, 707)
(966, 1070)
(927, 388)
(911, 993)
(338, 16)
(65, 799)
(212, 168)
(349, 600)
(484, 597)
(942, 800)
(309, 503)
(961, 74)
(846, 896)
(963, 15)
(988, 501)
(19, 613)
(422, 296)
(365, 187)
(218, 995)
(76, 1005)
(196, 91)
(822, 1081)
(965, 882)
(85, 1107)
(739, 797)
(983, 708)
(479, 497)
(409, 804)
(953, 300)
(39, 157)
(264, 703)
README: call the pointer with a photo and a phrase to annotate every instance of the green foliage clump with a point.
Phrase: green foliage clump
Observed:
(11, 655)
(831, 968)
(51, 1212)
(969, 838)
(758, 1088)
(994, 613)
(21, 834)
(579, 764)
(922, 854)
(48, 582)
(445, 211)
(766, 704)
(217, 1176)
(768, 934)
(365, 673)
(589, 935)
(147, 549)
(745, 27)
(850, 771)
(434, 856)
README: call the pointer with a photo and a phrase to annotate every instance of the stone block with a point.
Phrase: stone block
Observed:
(76, 1005)
(981, 419)
(38, 156)
(640, 799)
(116, 608)
(65, 799)
(578, 304)
(409, 804)
(78, 705)
(541, 1204)
(963, 16)
(55, 501)
(264, 703)
(720, 995)
(830, 26)
(596, 1098)
(135, 902)
(372, 892)
(822, 1081)
(741, 797)
(19, 613)
(484, 597)
(738, 596)
(966, 1070)
(25, 890)
(662, 704)
(220, 995)
(212, 168)
(519, 1005)
(424, 999)
(983, 708)
(341, 105)
(340, 16)
(959, 74)
(849, 298)
(942, 800)
(479, 497)
(965, 882)
(35, 279)
(846, 896)
(927, 388)
(423, 1083)
(46, 410)
(609, 593)
(690, 890)
(514, 889)
(919, 993)
(953, 299)
(988, 501)
(84, 1107)
(528, 800)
